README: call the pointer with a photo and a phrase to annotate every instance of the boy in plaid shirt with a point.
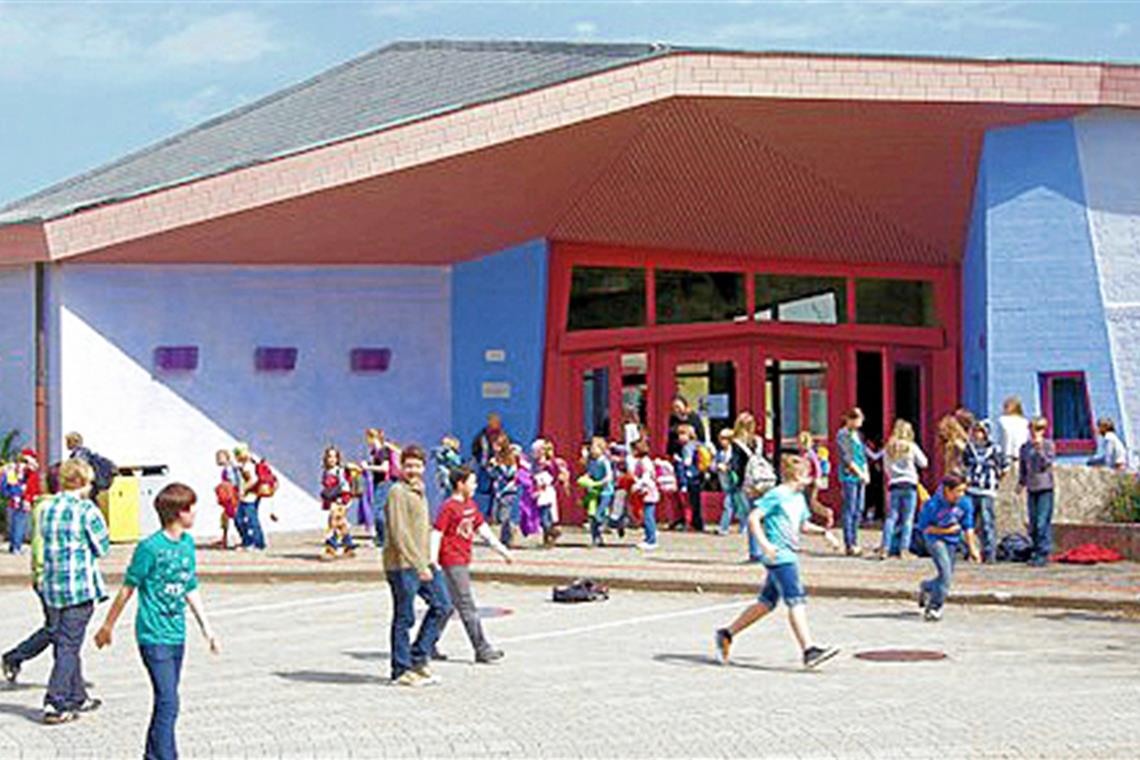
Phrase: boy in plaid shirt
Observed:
(74, 537)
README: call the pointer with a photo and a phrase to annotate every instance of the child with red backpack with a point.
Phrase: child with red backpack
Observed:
(258, 482)
(336, 495)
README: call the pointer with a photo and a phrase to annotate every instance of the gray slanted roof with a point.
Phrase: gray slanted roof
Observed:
(397, 83)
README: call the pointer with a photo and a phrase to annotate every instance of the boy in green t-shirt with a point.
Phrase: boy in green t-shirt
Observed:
(162, 569)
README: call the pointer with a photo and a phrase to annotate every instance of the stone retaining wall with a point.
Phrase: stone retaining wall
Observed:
(1081, 497)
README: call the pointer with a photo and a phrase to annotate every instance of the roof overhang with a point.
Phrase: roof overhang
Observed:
(463, 182)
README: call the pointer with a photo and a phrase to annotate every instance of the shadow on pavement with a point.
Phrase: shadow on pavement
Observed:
(367, 656)
(323, 676)
(690, 659)
(20, 686)
(885, 615)
(33, 714)
(1086, 617)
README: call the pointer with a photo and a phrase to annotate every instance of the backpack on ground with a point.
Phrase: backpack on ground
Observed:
(759, 477)
(1015, 548)
(266, 479)
(665, 475)
(581, 590)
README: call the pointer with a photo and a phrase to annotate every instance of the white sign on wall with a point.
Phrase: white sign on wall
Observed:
(495, 355)
(494, 389)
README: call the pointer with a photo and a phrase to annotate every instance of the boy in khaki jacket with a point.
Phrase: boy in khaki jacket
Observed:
(411, 573)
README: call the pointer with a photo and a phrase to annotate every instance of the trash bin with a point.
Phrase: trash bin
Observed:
(130, 504)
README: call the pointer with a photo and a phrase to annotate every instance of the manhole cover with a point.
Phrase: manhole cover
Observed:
(900, 655)
(495, 612)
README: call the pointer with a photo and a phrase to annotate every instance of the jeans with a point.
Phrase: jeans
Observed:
(164, 666)
(783, 582)
(649, 522)
(17, 529)
(939, 586)
(379, 499)
(986, 521)
(34, 645)
(601, 516)
(483, 492)
(854, 493)
(406, 586)
(506, 512)
(1041, 524)
(458, 580)
(68, 625)
(249, 525)
(546, 519)
(899, 525)
(727, 510)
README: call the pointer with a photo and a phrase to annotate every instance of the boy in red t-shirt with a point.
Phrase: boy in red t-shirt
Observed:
(458, 522)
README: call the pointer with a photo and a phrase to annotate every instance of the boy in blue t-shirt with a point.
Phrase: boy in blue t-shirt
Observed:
(163, 570)
(945, 519)
(776, 522)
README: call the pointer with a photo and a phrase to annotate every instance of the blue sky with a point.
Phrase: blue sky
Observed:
(85, 83)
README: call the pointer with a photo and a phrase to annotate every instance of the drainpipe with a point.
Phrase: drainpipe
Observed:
(42, 439)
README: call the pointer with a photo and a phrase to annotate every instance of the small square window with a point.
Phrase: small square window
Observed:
(1065, 403)
(370, 360)
(275, 359)
(176, 358)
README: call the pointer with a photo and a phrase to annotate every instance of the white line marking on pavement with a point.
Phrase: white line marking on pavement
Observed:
(619, 623)
(311, 602)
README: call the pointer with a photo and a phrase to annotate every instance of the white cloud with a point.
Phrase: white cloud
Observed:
(397, 10)
(768, 31)
(235, 37)
(585, 28)
(123, 44)
(1121, 29)
(200, 105)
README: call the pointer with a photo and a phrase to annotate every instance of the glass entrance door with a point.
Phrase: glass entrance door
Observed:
(597, 398)
(714, 381)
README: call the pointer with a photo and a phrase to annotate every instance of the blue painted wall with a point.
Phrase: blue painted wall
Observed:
(1044, 309)
(499, 303)
(975, 315)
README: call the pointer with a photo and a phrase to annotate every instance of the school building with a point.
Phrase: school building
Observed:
(559, 232)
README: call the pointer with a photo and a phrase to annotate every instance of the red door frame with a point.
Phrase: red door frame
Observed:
(938, 348)
(611, 361)
(673, 355)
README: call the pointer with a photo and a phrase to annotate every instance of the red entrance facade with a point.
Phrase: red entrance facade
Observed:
(795, 342)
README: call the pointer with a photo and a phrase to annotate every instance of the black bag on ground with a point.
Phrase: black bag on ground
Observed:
(581, 590)
(1015, 548)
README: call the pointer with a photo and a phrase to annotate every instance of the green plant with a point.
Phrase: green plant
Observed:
(9, 446)
(1124, 499)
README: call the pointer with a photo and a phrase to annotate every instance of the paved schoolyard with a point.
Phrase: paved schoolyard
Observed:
(685, 561)
(304, 674)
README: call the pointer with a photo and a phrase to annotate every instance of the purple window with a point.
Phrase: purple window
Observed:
(370, 359)
(176, 358)
(275, 359)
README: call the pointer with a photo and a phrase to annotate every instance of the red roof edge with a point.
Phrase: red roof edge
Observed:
(23, 243)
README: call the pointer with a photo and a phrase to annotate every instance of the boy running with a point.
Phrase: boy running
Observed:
(163, 569)
(456, 526)
(776, 522)
(945, 518)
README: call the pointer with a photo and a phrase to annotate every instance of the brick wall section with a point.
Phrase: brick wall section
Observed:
(682, 74)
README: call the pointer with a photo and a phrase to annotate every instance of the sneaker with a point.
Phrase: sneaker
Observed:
(54, 716)
(816, 656)
(488, 657)
(643, 546)
(11, 671)
(722, 643)
(933, 615)
(438, 656)
(408, 678)
(425, 675)
(621, 531)
(89, 705)
(854, 551)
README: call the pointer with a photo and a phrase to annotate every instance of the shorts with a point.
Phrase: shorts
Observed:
(783, 583)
